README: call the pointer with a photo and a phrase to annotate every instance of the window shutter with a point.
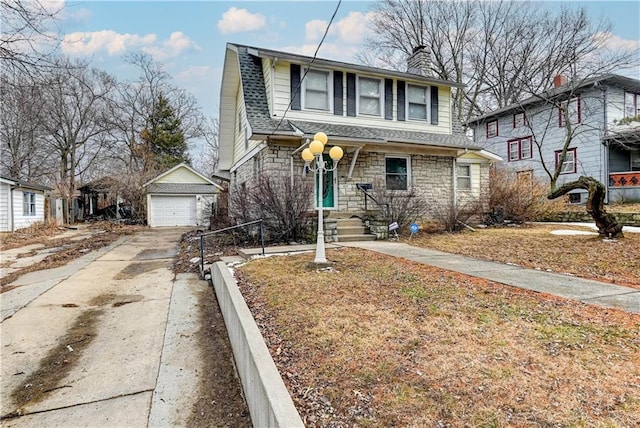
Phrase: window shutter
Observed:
(295, 87)
(351, 94)
(388, 99)
(401, 100)
(434, 105)
(337, 93)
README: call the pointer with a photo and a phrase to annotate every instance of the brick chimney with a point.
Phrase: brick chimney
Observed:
(419, 61)
(559, 80)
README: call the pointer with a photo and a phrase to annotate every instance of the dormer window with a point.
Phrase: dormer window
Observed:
(316, 90)
(369, 96)
(418, 100)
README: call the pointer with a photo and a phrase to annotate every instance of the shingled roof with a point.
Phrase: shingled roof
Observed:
(261, 122)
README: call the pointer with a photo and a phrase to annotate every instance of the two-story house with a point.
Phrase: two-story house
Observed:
(395, 128)
(605, 142)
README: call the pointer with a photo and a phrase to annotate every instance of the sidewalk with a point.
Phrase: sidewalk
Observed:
(567, 286)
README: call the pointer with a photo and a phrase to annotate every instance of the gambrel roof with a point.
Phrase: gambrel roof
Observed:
(262, 124)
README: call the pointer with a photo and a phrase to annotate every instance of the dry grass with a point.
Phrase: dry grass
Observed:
(386, 342)
(533, 246)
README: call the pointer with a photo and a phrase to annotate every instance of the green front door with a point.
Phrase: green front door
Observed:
(328, 191)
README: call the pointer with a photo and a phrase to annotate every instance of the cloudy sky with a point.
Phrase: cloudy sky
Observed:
(189, 37)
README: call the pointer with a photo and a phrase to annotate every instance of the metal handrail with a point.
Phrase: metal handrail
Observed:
(368, 195)
(261, 221)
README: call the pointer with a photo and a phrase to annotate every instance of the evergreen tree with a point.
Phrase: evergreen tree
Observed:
(164, 137)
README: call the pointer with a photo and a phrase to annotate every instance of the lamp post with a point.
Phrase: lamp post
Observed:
(313, 153)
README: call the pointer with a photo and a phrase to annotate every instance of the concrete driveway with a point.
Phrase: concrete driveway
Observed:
(124, 364)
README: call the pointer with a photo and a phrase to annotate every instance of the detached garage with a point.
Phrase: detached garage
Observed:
(180, 196)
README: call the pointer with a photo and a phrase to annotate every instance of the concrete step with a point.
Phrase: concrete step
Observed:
(348, 222)
(356, 238)
(352, 230)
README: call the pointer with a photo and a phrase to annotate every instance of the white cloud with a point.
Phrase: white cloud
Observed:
(352, 29)
(193, 73)
(333, 51)
(611, 41)
(176, 44)
(116, 44)
(237, 20)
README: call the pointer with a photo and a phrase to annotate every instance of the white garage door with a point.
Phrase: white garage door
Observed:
(173, 211)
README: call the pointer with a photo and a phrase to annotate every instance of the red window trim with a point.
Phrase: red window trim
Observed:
(520, 141)
(579, 101)
(524, 119)
(575, 160)
(487, 128)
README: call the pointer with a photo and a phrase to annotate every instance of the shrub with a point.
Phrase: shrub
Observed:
(454, 216)
(283, 203)
(518, 197)
(399, 206)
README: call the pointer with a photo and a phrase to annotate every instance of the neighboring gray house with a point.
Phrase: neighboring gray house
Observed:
(396, 127)
(602, 147)
(180, 196)
(21, 204)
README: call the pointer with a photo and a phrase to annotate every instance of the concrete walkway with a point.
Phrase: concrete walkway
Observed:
(141, 363)
(567, 286)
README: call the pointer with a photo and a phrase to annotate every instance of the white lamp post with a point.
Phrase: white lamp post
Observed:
(313, 153)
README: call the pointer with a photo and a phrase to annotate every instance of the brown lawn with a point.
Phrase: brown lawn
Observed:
(533, 246)
(386, 342)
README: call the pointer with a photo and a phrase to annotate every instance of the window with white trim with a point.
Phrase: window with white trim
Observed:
(28, 204)
(369, 96)
(418, 102)
(397, 172)
(492, 129)
(463, 177)
(573, 106)
(520, 148)
(316, 93)
(631, 104)
(569, 165)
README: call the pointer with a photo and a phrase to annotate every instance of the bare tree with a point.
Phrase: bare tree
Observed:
(206, 160)
(27, 42)
(130, 110)
(22, 154)
(491, 47)
(74, 106)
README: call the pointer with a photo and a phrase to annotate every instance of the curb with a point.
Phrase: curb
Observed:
(269, 402)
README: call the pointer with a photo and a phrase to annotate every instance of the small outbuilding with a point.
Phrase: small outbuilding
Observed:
(21, 204)
(180, 196)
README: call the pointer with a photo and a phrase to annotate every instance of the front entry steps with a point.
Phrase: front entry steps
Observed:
(353, 230)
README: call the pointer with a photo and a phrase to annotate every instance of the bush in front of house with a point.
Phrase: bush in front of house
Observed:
(282, 201)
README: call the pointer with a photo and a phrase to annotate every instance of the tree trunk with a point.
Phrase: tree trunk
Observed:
(608, 226)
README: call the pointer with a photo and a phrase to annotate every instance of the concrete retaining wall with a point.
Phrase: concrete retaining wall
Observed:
(269, 402)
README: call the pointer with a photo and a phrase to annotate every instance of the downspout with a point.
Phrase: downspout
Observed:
(273, 89)
(455, 184)
(606, 148)
(11, 222)
(305, 144)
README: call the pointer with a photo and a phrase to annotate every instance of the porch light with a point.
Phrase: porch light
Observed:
(313, 153)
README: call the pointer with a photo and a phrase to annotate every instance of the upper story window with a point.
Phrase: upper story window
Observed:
(631, 104)
(369, 96)
(28, 204)
(316, 90)
(519, 119)
(492, 129)
(573, 109)
(519, 148)
(417, 98)
(569, 165)
(397, 172)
